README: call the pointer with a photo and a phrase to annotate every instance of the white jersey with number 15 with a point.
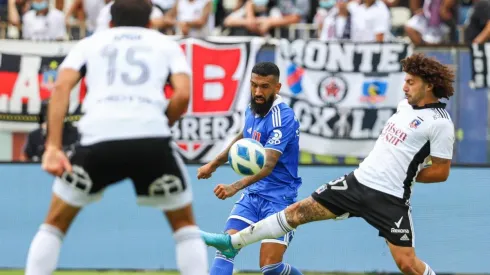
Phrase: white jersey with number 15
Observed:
(126, 70)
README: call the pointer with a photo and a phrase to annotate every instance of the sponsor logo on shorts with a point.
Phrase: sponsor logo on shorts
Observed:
(400, 231)
(404, 238)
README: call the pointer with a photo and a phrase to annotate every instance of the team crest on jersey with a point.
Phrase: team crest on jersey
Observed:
(415, 123)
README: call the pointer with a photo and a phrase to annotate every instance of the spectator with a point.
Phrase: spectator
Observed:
(164, 5)
(91, 10)
(337, 24)
(247, 15)
(289, 12)
(193, 17)
(34, 146)
(428, 26)
(43, 22)
(158, 20)
(371, 21)
(261, 16)
(478, 29)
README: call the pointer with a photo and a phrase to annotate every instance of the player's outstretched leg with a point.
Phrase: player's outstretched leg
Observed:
(191, 252)
(408, 262)
(44, 251)
(272, 227)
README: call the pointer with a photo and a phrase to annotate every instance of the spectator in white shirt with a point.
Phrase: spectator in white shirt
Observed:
(337, 24)
(370, 21)
(43, 22)
(193, 17)
(91, 10)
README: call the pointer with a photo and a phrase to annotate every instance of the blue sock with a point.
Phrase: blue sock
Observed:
(280, 269)
(221, 265)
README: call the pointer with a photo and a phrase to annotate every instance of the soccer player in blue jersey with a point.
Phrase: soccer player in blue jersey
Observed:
(271, 122)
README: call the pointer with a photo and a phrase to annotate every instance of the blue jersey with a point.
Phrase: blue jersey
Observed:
(277, 130)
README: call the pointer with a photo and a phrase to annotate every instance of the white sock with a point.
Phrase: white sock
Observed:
(271, 227)
(42, 258)
(192, 254)
(428, 270)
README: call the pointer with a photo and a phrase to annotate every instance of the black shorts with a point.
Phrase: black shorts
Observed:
(346, 197)
(153, 165)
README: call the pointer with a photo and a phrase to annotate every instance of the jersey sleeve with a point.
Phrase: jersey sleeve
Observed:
(282, 130)
(178, 62)
(441, 139)
(77, 57)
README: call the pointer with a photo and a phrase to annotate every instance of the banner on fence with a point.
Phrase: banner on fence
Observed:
(342, 93)
(220, 90)
(480, 61)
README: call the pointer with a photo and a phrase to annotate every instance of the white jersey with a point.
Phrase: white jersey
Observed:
(409, 137)
(126, 70)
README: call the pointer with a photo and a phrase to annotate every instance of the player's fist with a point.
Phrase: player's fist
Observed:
(206, 171)
(224, 191)
(55, 162)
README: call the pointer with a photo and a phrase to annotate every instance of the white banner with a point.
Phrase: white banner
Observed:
(342, 93)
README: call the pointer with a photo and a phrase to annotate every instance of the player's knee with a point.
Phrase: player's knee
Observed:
(59, 220)
(406, 263)
(292, 217)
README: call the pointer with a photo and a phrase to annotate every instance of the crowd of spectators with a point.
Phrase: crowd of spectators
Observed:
(423, 22)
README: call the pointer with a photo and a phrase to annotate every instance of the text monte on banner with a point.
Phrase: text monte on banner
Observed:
(480, 65)
(342, 93)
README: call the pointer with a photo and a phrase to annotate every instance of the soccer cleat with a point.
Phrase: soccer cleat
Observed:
(222, 242)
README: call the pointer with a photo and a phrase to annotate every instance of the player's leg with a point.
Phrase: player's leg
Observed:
(393, 218)
(161, 181)
(272, 250)
(271, 257)
(42, 258)
(70, 193)
(408, 262)
(272, 227)
(190, 249)
(329, 201)
(243, 214)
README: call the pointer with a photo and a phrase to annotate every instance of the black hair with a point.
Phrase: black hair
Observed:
(131, 13)
(266, 69)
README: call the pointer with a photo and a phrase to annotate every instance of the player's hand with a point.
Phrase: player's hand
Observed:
(206, 171)
(224, 191)
(55, 162)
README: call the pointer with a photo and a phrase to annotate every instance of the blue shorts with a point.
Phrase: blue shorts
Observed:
(251, 208)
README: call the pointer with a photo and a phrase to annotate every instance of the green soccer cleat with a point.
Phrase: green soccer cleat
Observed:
(222, 242)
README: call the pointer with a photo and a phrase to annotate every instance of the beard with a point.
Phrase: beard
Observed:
(261, 109)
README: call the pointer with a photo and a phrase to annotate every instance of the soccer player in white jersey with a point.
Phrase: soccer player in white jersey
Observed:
(379, 189)
(125, 134)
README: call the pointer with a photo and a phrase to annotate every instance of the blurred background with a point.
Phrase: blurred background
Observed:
(340, 74)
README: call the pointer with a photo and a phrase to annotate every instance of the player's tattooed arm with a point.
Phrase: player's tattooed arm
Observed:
(437, 172)
(272, 156)
(222, 158)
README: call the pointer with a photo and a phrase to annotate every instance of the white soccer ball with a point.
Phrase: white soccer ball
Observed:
(247, 157)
